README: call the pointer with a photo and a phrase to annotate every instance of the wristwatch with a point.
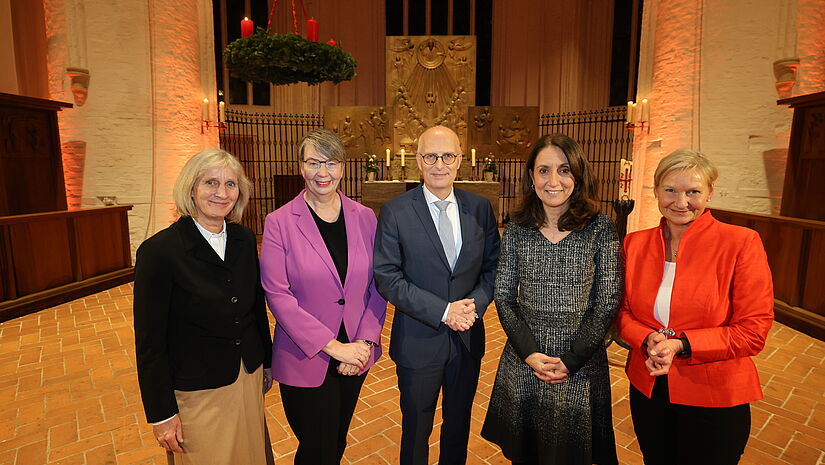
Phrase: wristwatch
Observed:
(369, 343)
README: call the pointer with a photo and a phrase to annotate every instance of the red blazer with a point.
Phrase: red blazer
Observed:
(722, 302)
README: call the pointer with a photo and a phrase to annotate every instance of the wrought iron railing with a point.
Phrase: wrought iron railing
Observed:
(267, 143)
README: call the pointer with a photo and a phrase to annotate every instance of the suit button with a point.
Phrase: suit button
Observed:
(228, 281)
(341, 301)
(234, 300)
(237, 342)
(237, 321)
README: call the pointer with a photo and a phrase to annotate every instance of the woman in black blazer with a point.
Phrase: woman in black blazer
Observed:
(202, 337)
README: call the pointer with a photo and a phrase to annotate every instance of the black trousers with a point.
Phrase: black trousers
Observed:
(456, 376)
(682, 434)
(320, 416)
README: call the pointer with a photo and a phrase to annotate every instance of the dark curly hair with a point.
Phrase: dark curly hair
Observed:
(583, 203)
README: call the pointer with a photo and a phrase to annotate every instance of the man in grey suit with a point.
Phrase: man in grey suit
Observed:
(436, 251)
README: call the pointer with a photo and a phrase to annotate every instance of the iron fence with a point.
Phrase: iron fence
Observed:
(266, 145)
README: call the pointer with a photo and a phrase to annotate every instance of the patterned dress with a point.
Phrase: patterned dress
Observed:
(557, 299)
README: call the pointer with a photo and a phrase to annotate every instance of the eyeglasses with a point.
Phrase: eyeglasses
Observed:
(430, 158)
(315, 165)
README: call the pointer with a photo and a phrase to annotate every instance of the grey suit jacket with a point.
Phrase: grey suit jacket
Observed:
(412, 272)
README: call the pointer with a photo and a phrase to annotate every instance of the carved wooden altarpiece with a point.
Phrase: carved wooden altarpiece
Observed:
(503, 132)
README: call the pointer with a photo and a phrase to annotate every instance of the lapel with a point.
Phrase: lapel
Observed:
(198, 247)
(353, 227)
(234, 244)
(308, 228)
(468, 226)
(423, 211)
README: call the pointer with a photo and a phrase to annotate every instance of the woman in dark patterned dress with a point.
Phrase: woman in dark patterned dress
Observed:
(558, 287)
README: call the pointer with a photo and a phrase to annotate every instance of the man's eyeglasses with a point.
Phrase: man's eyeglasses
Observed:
(315, 165)
(431, 158)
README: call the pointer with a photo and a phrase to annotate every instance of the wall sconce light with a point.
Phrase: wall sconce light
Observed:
(206, 122)
(638, 115)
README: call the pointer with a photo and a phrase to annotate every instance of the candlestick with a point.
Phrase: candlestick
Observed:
(645, 110)
(402, 158)
(629, 116)
(205, 110)
(635, 118)
(472, 157)
(221, 112)
(247, 27)
(388, 158)
(312, 30)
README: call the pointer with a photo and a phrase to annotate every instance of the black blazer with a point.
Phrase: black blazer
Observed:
(412, 272)
(196, 316)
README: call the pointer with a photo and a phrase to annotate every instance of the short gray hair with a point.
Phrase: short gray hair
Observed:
(192, 173)
(325, 142)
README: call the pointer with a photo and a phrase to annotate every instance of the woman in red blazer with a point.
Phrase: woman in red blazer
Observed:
(698, 304)
(316, 270)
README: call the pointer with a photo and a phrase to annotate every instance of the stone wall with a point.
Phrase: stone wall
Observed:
(708, 70)
(150, 64)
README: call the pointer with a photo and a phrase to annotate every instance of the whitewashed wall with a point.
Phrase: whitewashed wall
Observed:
(707, 68)
(151, 63)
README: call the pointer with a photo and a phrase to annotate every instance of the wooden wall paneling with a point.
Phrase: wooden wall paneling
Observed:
(783, 245)
(7, 282)
(125, 239)
(813, 297)
(42, 255)
(554, 55)
(99, 250)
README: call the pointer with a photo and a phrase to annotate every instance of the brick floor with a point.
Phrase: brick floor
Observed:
(69, 395)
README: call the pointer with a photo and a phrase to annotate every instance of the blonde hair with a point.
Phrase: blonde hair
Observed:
(325, 142)
(191, 174)
(686, 160)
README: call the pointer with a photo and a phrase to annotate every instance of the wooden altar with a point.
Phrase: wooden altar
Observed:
(374, 194)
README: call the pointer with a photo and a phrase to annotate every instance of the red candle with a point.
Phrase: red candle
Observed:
(312, 30)
(332, 42)
(247, 27)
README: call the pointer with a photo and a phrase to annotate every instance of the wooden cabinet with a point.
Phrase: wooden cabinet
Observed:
(31, 167)
(802, 195)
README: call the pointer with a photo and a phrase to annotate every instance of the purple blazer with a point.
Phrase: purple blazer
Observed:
(305, 294)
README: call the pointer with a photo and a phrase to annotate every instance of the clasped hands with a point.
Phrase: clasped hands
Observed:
(660, 353)
(461, 315)
(353, 356)
(551, 370)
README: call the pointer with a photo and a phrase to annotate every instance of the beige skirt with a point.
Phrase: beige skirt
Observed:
(226, 425)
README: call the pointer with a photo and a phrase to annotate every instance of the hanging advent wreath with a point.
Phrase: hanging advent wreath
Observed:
(287, 59)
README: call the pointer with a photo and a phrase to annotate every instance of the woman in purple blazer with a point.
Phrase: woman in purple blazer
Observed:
(316, 270)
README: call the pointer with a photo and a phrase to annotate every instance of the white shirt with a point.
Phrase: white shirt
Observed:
(661, 308)
(452, 214)
(217, 241)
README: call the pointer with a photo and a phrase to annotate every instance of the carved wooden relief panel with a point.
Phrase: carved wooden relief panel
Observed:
(361, 129)
(430, 81)
(504, 132)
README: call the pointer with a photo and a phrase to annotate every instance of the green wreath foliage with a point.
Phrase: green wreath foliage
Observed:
(287, 59)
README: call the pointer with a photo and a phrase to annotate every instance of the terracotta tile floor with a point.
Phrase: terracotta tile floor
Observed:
(69, 395)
